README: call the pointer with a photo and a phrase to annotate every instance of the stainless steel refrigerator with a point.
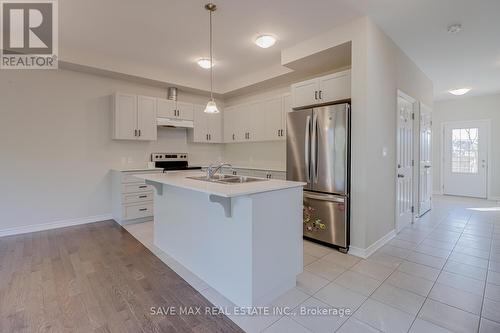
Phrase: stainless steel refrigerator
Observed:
(318, 153)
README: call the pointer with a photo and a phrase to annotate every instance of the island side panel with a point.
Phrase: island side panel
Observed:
(196, 233)
(277, 243)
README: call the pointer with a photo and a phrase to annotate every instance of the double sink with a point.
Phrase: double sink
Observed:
(228, 179)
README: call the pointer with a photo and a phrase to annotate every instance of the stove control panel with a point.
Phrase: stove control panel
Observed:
(166, 157)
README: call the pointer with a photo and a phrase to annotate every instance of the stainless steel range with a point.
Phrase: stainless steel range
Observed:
(172, 161)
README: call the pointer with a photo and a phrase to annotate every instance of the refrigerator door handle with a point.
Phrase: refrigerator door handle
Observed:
(306, 149)
(314, 147)
(324, 197)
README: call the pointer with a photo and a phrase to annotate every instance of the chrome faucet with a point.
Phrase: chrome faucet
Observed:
(213, 168)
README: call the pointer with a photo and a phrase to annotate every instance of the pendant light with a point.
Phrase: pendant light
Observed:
(211, 106)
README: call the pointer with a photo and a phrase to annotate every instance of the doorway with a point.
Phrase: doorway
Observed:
(465, 158)
(405, 161)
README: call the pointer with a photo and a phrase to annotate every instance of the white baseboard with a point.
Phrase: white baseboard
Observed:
(494, 198)
(54, 225)
(365, 253)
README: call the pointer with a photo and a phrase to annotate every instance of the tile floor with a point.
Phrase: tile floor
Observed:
(442, 274)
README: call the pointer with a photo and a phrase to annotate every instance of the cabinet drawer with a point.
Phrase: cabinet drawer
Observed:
(138, 211)
(133, 188)
(137, 197)
(131, 178)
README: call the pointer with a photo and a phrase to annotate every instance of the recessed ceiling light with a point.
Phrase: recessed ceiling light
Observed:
(454, 28)
(459, 92)
(204, 63)
(265, 41)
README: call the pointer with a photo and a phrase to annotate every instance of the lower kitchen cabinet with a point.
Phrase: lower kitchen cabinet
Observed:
(132, 200)
(259, 173)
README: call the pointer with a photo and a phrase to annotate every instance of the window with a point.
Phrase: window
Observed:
(464, 150)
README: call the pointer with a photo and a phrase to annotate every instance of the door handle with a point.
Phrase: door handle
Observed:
(306, 149)
(330, 198)
(401, 176)
(427, 166)
(314, 147)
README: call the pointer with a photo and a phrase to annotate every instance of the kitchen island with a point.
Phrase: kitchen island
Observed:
(244, 240)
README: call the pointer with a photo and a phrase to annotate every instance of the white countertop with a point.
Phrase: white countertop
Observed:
(179, 179)
(253, 168)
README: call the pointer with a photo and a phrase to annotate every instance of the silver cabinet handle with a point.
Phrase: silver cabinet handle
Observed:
(320, 94)
(314, 147)
(143, 209)
(324, 197)
(427, 166)
(143, 196)
(139, 132)
(143, 186)
(135, 132)
(316, 95)
(306, 149)
(234, 137)
(401, 176)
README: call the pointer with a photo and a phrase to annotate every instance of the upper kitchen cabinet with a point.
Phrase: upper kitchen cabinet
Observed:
(175, 109)
(134, 117)
(325, 89)
(271, 111)
(207, 127)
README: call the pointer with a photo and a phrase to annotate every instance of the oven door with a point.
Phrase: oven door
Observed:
(325, 218)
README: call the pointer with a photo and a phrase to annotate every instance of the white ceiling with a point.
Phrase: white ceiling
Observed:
(164, 38)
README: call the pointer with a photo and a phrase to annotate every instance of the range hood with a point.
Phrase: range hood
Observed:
(169, 122)
(176, 123)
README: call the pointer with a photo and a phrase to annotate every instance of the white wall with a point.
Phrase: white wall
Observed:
(469, 108)
(56, 149)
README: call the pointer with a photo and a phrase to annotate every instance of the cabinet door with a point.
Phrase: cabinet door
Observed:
(125, 117)
(305, 93)
(229, 122)
(240, 126)
(271, 115)
(200, 126)
(286, 107)
(255, 122)
(146, 118)
(185, 111)
(165, 108)
(335, 87)
(214, 125)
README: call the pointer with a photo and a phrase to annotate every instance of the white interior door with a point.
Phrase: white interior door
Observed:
(404, 187)
(465, 158)
(425, 158)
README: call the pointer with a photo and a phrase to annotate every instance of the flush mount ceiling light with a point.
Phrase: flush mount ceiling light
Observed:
(459, 92)
(211, 106)
(204, 63)
(454, 28)
(265, 41)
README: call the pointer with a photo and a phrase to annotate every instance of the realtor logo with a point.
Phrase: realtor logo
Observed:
(29, 34)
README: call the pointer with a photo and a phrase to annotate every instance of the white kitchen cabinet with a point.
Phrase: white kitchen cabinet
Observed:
(132, 198)
(134, 117)
(270, 111)
(207, 127)
(175, 109)
(305, 93)
(325, 89)
(230, 119)
(146, 118)
(335, 87)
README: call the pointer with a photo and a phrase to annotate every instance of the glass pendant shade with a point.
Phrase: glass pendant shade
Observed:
(211, 107)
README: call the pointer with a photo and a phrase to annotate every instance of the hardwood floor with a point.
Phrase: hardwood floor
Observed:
(93, 278)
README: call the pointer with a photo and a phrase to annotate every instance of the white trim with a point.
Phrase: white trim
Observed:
(365, 253)
(488, 157)
(54, 225)
(494, 199)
